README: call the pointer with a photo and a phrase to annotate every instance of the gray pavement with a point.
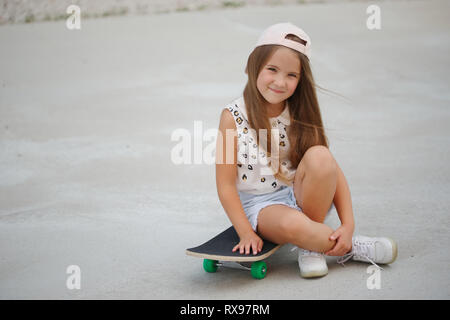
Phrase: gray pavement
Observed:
(86, 177)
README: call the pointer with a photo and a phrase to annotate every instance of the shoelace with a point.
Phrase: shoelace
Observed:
(358, 250)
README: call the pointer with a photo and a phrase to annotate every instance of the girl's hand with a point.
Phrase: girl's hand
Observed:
(249, 241)
(343, 236)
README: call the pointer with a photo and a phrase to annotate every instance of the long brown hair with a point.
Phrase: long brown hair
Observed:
(306, 127)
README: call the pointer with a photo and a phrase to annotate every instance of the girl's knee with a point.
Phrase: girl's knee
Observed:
(319, 160)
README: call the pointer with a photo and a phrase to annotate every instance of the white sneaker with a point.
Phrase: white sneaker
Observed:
(373, 250)
(312, 264)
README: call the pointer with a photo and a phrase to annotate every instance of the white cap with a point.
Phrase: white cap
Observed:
(276, 34)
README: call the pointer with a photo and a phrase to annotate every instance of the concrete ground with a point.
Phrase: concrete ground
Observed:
(87, 178)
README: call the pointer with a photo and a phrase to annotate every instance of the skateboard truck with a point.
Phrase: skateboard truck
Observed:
(234, 265)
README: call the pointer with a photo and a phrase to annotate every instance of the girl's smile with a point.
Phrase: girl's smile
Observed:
(276, 91)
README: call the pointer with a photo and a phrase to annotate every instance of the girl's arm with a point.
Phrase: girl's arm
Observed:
(226, 174)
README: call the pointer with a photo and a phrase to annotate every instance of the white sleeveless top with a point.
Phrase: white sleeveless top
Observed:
(255, 175)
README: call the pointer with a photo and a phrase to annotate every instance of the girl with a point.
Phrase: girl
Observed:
(276, 178)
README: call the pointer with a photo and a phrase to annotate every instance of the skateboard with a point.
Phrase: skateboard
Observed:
(218, 252)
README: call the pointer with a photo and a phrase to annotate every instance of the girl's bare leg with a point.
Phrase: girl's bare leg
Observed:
(315, 182)
(281, 224)
(314, 188)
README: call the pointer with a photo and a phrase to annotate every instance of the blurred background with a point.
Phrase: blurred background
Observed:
(13, 11)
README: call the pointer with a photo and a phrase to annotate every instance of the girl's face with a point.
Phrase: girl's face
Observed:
(279, 77)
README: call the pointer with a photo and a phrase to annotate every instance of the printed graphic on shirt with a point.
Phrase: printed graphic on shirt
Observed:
(255, 169)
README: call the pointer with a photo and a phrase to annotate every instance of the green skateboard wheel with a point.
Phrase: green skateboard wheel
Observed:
(259, 269)
(210, 265)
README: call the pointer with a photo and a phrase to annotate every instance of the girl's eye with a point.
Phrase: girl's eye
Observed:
(271, 69)
(293, 75)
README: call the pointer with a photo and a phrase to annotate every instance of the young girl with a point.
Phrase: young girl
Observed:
(276, 178)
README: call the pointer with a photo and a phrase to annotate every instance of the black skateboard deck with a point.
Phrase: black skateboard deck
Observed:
(220, 248)
(218, 251)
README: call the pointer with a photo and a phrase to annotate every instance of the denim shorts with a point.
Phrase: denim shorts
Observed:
(254, 203)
